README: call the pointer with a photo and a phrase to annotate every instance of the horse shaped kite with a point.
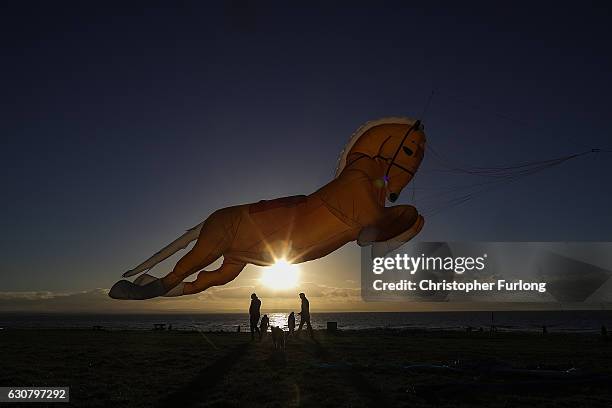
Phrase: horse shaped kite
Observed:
(380, 159)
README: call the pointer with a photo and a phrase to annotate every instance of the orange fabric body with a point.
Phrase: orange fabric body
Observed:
(303, 228)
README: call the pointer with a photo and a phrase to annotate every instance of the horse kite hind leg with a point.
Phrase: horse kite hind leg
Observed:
(212, 242)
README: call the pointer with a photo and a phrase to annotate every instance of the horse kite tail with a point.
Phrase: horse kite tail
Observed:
(181, 242)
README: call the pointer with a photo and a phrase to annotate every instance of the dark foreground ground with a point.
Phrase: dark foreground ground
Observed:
(349, 369)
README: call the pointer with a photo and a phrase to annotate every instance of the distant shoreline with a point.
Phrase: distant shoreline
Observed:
(238, 312)
(534, 321)
(385, 330)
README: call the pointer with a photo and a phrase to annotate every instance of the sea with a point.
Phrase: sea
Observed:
(560, 321)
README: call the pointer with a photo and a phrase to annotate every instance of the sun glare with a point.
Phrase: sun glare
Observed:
(281, 275)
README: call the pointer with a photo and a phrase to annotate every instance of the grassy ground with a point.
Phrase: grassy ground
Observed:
(349, 369)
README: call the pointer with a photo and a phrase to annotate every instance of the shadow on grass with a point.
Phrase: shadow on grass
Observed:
(206, 379)
(368, 391)
(277, 359)
(313, 346)
(355, 378)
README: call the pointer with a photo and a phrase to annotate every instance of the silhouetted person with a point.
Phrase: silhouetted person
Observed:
(604, 332)
(254, 315)
(263, 328)
(305, 315)
(291, 323)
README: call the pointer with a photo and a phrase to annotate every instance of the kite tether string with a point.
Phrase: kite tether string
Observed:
(494, 176)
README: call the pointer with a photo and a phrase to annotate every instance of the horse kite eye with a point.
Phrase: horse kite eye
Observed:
(407, 150)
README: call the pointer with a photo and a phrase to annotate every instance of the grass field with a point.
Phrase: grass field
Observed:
(349, 369)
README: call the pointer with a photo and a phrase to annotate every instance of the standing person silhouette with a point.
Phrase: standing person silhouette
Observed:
(254, 315)
(291, 323)
(305, 316)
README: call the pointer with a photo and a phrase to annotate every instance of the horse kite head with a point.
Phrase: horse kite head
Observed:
(396, 144)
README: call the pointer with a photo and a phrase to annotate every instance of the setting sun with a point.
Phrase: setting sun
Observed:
(281, 275)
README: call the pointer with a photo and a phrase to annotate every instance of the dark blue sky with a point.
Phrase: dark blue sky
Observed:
(123, 125)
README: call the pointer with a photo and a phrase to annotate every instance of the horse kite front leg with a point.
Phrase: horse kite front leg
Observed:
(398, 225)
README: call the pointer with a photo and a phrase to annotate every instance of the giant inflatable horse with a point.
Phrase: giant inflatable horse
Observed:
(378, 162)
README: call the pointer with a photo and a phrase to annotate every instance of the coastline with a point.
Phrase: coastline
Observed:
(510, 321)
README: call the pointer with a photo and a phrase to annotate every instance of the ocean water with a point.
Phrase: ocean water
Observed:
(586, 321)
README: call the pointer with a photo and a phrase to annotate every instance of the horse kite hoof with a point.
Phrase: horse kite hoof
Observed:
(145, 279)
(130, 291)
(120, 290)
(381, 249)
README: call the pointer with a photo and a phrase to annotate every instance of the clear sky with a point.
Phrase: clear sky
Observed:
(123, 125)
